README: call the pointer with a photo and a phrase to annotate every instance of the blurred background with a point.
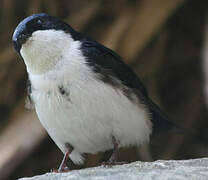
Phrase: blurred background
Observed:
(165, 41)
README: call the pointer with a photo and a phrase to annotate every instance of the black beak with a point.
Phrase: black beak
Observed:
(19, 39)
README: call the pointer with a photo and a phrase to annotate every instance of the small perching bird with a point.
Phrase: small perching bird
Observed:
(85, 96)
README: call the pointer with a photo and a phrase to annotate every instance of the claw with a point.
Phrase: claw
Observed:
(110, 164)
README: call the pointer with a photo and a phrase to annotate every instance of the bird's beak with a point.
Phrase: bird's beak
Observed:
(19, 39)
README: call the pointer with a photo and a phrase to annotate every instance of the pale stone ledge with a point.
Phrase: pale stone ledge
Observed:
(196, 169)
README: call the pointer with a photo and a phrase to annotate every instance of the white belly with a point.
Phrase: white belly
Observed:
(87, 120)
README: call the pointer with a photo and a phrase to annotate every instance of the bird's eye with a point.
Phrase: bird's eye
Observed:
(39, 21)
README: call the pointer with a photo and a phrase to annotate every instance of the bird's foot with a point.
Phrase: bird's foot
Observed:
(61, 170)
(112, 163)
(63, 167)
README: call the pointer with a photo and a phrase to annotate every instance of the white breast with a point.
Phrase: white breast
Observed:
(93, 112)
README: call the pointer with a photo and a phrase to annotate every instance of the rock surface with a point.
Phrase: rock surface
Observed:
(196, 169)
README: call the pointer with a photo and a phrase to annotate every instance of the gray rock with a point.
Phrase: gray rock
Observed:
(196, 169)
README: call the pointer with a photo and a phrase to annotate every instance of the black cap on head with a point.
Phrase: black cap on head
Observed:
(36, 22)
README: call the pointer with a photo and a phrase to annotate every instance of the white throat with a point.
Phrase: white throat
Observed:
(44, 49)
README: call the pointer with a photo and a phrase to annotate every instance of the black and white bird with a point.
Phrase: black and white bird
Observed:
(85, 96)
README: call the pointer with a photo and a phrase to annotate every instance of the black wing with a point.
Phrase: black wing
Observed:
(100, 57)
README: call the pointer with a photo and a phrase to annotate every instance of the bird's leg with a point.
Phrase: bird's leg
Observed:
(63, 167)
(114, 155)
(113, 159)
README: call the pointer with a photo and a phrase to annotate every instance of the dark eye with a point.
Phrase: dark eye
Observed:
(39, 21)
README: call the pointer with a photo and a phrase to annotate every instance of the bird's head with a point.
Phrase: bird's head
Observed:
(41, 41)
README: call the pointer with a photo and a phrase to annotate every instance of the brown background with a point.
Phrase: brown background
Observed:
(163, 40)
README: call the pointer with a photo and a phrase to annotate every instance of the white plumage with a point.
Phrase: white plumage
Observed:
(92, 112)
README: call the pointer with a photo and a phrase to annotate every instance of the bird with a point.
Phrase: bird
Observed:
(85, 96)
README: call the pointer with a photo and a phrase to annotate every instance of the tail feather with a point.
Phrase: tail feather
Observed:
(160, 121)
(161, 124)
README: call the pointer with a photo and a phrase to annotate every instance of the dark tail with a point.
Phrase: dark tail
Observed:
(161, 124)
(159, 120)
